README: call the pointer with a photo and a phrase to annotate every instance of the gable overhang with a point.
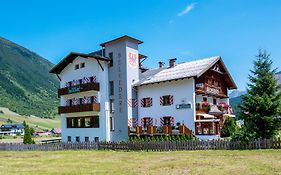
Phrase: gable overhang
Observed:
(71, 57)
(229, 80)
(125, 37)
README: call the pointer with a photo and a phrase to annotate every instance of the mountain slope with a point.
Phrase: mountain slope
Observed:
(26, 87)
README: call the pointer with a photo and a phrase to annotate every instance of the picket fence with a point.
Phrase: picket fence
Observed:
(148, 146)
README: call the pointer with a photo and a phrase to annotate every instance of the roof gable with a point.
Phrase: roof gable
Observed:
(73, 55)
(183, 70)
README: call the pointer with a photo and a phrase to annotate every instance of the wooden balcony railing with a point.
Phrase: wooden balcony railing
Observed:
(203, 88)
(79, 108)
(79, 88)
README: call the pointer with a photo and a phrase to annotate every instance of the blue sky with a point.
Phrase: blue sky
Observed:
(184, 29)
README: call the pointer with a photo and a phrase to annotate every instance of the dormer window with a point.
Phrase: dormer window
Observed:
(82, 65)
(76, 66)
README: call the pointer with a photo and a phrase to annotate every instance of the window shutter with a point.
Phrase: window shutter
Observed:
(162, 121)
(161, 100)
(172, 121)
(171, 99)
(142, 102)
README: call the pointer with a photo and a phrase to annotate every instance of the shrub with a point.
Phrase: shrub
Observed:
(228, 128)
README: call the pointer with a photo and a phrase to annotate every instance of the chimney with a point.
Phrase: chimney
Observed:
(161, 64)
(172, 62)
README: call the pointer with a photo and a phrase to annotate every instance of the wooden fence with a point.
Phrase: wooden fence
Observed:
(148, 146)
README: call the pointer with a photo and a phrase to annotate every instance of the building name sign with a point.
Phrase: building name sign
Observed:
(73, 89)
(212, 90)
(183, 106)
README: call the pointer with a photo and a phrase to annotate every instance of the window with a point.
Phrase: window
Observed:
(87, 122)
(86, 139)
(215, 101)
(146, 102)
(69, 138)
(205, 99)
(110, 55)
(168, 121)
(111, 106)
(111, 88)
(166, 100)
(111, 122)
(83, 122)
(147, 121)
(76, 66)
(96, 122)
(96, 139)
(77, 139)
(82, 65)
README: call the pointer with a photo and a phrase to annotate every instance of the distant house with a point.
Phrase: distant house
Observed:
(56, 131)
(12, 129)
(41, 133)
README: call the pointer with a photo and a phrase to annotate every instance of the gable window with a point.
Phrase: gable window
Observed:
(111, 88)
(76, 66)
(82, 65)
(166, 100)
(146, 102)
(110, 55)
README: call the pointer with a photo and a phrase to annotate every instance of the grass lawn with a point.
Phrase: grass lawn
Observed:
(110, 162)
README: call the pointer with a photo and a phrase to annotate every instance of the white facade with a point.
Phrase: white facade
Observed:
(130, 86)
(183, 93)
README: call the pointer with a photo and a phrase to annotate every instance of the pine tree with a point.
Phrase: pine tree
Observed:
(27, 139)
(260, 107)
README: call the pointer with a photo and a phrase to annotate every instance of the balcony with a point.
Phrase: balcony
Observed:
(204, 88)
(79, 88)
(79, 108)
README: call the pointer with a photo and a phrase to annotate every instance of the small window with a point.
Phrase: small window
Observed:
(110, 55)
(86, 139)
(96, 139)
(69, 138)
(215, 101)
(111, 120)
(77, 139)
(82, 65)
(111, 106)
(167, 121)
(146, 102)
(205, 99)
(166, 100)
(111, 88)
(76, 66)
(147, 121)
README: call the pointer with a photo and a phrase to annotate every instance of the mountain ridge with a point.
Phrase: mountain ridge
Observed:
(26, 87)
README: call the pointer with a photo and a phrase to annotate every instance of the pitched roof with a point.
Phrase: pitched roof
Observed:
(71, 56)
(122, 38)
(13, 125)
(183, 70)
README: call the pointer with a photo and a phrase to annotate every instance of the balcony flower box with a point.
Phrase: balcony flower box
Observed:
(151, 129)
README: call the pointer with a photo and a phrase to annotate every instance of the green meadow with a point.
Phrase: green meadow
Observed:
(110, 162)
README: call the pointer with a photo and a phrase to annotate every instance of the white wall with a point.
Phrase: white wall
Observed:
(182, 90)
(91, 68)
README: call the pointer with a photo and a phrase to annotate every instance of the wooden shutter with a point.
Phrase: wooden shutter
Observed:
(142, 102)
(171, 98)
(161, 100)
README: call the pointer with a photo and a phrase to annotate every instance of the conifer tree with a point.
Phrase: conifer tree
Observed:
(27, 139)
(260, 107)
(228, 128)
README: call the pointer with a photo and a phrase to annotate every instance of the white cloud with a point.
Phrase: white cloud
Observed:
(187, 9)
